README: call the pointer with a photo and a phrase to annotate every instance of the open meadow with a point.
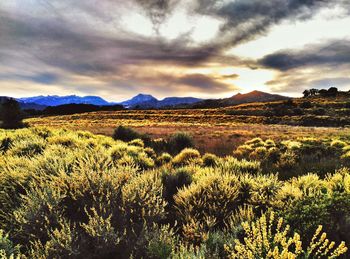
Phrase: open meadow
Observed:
(217, 131)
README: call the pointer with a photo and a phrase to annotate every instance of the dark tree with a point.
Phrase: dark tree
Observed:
(306, 93)
(313, 92)
(323, 93)
(10, 114)
(333, 91)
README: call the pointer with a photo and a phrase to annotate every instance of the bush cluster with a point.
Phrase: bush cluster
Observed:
(297, 157)
(66, 194)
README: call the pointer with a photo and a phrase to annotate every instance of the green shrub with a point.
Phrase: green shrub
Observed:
(173, 181)
(150, 152)
(186, 157)
(163, 159)
(5, 144)
(156, 242)
(179, 141)
(270, 237)
(7, 248)
(63, 243)
(101, 235)
(210, 201)
(338, 143)
(255, 142)
(40, 210)
(137, 143)
(233, 165)
(210, 160)
(128, 134)
(321, 202)
(28, 148)
(66, 141)
(125, 155)
(143, 201)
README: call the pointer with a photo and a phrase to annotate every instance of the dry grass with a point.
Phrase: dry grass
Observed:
(213, 130)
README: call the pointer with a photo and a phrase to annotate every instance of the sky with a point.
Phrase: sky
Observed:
(202, 48)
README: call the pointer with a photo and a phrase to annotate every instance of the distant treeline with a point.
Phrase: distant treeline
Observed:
(68, 109)
(330, 92)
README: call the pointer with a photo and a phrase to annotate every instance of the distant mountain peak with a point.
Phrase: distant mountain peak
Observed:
(148, 101)
(239, 98)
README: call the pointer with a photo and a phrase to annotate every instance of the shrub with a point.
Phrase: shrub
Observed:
(128, 134)
(156, 242)
(125, 155)
(143, 201)
(255, 142)
(101, 235)
(150, 153)
(306, 105)
(5, 144)
(40, 210)
(87, 196)
(186, 157)
(259, 153)
(212, 199)
(331, 211)
(268, 237)
(338, 144)
(210, 160)
(7, 248)
(266, 188)
(233, 165)
(319, 111)
(346, 157)
(63, 243)
(66, 141)
(28, 147)
(173, 181)
(137, 143)
(179, 141)
(163, 159)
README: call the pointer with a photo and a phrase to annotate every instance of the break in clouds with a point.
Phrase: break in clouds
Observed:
(119, 48)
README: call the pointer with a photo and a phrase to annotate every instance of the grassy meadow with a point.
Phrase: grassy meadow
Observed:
(217, 130)
(174, 184)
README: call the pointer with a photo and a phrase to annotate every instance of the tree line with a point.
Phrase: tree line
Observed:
(331, 92)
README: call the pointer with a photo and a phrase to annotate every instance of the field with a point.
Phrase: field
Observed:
(204, 183)
(214, 130)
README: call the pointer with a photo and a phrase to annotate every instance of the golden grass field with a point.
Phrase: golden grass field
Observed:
(212, 129)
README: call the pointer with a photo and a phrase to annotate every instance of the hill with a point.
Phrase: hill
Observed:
(251, 97)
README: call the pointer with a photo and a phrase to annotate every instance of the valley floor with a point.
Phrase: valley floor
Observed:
(212, 130)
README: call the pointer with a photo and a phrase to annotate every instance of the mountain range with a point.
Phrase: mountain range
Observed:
(55, 100)
(146, 101)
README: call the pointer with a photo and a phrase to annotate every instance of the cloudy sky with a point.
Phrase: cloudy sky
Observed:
(203, 48)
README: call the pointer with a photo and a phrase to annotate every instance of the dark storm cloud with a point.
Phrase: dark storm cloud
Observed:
(330, 54)
(157, 10)
(202, 82)
(81, 51)
(245, 20)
